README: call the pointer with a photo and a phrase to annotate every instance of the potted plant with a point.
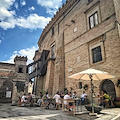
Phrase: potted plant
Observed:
(97, 109)
(118, 83)
(85, 86)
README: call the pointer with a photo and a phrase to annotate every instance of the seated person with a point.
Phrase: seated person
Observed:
(23, 99)
(105, 98)
(83, 97)
(45, 99)
(40, 99)
(66, 97)
(74, 95)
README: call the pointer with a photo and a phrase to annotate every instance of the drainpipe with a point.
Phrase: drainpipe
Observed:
(64, 58)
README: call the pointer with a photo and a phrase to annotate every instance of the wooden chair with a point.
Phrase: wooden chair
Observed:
(71, 107)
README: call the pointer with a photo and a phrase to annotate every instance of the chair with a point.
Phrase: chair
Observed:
(71, 107)
(110, 103)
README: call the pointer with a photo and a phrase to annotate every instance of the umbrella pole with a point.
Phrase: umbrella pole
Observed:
(92, 92)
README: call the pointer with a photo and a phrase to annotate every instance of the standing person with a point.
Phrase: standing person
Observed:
(57, 97)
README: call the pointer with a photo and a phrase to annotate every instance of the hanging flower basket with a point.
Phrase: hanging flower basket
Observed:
(85, 86)
(118, 83)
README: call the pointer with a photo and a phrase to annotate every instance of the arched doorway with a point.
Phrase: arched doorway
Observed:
(109, 87)
(6, 91)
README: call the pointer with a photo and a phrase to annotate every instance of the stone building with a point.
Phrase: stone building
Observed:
(83, 34)
(13, 78)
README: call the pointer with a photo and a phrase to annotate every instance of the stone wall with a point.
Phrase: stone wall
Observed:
(74, 41)
(9, 77)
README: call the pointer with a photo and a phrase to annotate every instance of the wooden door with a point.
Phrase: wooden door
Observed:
(109, 87)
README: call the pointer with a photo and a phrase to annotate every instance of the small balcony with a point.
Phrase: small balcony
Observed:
(39, 67)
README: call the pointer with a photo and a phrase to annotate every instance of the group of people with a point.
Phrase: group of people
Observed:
(68, 96)
(26, 99)
(30, 98)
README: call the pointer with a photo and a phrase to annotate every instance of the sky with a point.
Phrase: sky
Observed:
(21, 24)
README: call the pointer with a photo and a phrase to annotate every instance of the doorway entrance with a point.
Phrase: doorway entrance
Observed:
(109, 87)
(6, 92)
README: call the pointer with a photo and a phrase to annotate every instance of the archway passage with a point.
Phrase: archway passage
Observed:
(6, 91)
(109, 87)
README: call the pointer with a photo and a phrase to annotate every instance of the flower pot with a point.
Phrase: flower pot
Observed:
(97, 109)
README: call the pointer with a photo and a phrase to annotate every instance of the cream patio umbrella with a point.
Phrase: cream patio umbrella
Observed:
(92, 74)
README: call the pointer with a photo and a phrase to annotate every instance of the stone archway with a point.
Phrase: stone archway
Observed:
(109, 87)
(6, 91)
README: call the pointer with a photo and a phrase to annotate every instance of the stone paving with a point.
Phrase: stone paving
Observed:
(8, 112)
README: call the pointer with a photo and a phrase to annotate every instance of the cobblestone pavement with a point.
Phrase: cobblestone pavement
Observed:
(8, 112)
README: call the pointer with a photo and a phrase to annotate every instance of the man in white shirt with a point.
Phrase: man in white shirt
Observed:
(23, 98)
(83, 96)
(66, 97)
(57, 97)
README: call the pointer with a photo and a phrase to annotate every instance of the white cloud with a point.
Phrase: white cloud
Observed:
(50, 5)
(8, 18)
(31, 8)
(4, 12)
(23, 3)
(51, 11)
(16, 5)
(0, 41)
(31, 22)
(29, 52)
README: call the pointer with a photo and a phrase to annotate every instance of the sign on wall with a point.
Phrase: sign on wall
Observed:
(8, 94)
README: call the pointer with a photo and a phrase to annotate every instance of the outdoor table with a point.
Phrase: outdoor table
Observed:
(78, 105)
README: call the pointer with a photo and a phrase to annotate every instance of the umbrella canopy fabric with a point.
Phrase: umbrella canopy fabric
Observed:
(96, 75)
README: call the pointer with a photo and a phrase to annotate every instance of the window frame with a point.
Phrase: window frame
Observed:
(96, 55)
(53, 50)
(94, 20)
(20, 69)
(53, 31)
(89, 1)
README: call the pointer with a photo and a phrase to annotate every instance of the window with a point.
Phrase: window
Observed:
(96, 54)
(93, 20)
(75, 29)
(53, 51)
(52, 31)
(80, 85)
(20, 70)
(89, 0)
